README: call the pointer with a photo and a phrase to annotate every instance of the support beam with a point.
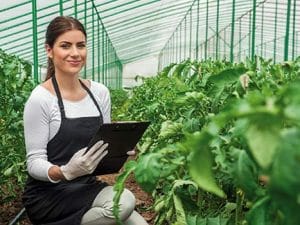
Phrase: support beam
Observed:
(217, 30)
(191, 27)
(275, 32)
(93, 45)
(232, 31)
(262, 29)
(197, 31)
(206, 31)
(294, 30)
(75, 9)
(61, 8)
(35, 43)
(287, 31)
(253, 30)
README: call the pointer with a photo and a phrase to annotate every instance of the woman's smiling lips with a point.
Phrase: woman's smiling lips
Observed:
(74, 63)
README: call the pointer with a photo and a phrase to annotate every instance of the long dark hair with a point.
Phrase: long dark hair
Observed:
(57, 27)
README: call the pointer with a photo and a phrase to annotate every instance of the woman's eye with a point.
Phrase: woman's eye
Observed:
(65, 46)
(81, 46)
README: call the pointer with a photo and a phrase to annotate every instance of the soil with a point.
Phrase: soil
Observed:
(8, 211)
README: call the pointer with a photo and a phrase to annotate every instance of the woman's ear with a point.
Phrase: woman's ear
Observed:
(49, 51)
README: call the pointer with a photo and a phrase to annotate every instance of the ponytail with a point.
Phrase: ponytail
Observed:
(50, 69)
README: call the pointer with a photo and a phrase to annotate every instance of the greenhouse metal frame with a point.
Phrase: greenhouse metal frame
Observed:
(227, 81)
(121, 32)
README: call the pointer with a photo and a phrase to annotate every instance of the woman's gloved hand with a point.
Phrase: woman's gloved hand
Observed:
(82, 164)
(132, 152)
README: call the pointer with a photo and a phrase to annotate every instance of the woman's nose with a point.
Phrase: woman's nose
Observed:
(74, 51)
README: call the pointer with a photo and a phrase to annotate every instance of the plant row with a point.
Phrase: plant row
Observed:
(16, 84)
(224, 143)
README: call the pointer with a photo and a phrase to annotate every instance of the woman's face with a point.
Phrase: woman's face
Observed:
(68, 52)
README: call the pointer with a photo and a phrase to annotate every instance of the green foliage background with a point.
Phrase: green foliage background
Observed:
(217, 129)
(16, 84)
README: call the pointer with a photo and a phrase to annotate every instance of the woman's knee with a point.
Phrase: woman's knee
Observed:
(105, 201)
(127, 204)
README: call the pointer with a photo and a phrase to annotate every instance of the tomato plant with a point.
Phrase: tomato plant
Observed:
(15, 86)
(217, 128)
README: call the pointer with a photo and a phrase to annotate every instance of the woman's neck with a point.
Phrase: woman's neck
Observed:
(70, 87)
(68, 83)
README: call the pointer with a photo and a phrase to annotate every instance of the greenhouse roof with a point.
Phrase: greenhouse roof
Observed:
(138, 28)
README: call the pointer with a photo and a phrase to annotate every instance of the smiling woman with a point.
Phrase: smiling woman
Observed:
(60, 118)
(67, 56)
(68, 53)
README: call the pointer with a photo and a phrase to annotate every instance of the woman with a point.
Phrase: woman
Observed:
(60, 117)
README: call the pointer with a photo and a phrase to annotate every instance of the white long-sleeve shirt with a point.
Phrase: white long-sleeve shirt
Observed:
(42, 121)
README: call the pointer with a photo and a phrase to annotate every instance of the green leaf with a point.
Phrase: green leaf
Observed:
(169, 129)
(217, 221)
(245, 174)
(8, 172)
(260, 212)
(263, 138)
(197, 220)
(179, 68)
(192, 125)
(291, 100)
(148, 171)
(201, 163)
(180, 183)
(224, 78)
(292, 111)
(191, 220)
(284, 181)
(179, 211)
(166, 70)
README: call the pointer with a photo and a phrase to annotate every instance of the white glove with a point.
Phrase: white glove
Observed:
(82, 164)
(132, 152)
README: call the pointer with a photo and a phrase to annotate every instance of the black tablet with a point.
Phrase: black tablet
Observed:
(121, 136)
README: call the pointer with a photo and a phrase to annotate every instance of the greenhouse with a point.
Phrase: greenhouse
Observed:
(218, 81)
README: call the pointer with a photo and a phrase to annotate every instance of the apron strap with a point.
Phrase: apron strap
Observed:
(60, 102)
(93, 98)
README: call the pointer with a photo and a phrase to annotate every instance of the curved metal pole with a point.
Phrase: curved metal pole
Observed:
(17, 217)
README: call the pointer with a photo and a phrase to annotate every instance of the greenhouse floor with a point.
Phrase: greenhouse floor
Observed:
(143, 202)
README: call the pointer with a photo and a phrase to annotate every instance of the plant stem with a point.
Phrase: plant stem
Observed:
(239, 205)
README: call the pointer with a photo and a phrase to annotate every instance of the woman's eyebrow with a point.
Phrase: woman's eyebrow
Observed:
(68, 42)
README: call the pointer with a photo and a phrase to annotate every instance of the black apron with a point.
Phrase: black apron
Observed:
(64, 203)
